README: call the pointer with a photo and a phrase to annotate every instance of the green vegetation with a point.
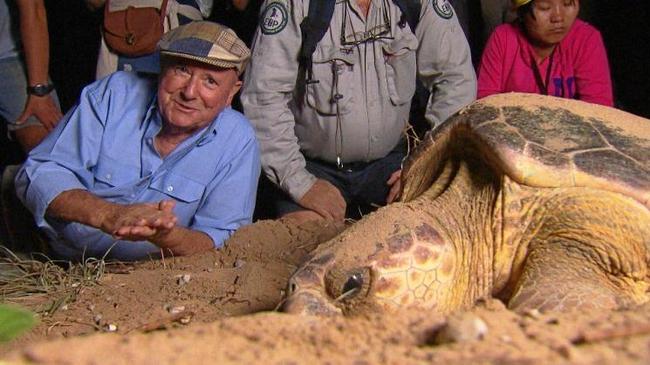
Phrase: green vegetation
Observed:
(14, 321)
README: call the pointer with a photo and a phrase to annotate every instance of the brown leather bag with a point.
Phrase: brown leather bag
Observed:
(134, 31)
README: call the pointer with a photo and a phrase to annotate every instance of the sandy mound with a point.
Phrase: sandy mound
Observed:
(202, 309)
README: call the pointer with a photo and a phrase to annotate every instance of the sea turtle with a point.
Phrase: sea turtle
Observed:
(541, 202)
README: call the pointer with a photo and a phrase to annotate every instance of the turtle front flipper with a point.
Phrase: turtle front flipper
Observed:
(591, 253)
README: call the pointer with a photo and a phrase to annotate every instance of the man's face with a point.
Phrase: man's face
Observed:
(550, 20)
(192, 94)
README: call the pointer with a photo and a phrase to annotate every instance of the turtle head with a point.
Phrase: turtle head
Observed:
(322, 287)
(374, 268)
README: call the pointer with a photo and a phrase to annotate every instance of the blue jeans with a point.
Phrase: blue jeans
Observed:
(13, 96)
(362, 184)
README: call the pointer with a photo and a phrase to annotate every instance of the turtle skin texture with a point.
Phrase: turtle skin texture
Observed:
(538, 201)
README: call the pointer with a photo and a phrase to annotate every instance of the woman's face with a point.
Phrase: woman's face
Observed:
(550, 20)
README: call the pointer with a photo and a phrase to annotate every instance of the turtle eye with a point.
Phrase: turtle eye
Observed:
(345, 286)
(353, 285)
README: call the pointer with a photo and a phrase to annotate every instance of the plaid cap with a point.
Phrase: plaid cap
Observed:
(206, 42)
(517, 3)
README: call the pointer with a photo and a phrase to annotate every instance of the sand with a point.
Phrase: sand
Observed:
(220, 307)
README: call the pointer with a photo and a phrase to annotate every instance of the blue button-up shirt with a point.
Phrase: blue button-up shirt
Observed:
(105, 145)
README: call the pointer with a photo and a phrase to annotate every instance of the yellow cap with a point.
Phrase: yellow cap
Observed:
(517, 3)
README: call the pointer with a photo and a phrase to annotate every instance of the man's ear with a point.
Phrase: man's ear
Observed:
(234, 90)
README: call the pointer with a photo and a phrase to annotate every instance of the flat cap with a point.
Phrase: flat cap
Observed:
(206, 42)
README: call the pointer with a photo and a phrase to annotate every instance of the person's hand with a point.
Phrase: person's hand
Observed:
(44, 108)
(395, 184)
(325, 199)
(142, 221)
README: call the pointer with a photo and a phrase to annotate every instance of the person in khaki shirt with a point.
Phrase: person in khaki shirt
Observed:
(331, 142)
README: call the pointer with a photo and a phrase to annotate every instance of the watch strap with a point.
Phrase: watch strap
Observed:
(40, 89)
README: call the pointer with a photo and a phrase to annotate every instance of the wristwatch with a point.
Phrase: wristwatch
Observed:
(40, 89)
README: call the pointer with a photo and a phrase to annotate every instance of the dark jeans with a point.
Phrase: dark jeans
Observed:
(362, 184)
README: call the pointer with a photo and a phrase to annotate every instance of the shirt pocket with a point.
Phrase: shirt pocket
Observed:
(178, 187)
(334, 71)
(110, 173)
(401, 69)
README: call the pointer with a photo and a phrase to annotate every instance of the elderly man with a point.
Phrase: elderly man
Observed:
(142, 167)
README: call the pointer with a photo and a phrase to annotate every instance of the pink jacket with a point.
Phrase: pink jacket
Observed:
(580, 69)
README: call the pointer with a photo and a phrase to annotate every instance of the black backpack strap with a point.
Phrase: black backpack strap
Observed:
(313, 28)
(410, 12)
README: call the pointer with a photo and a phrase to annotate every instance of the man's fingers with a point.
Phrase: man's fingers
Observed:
(326, 214)
(331, 210)
(167, 205)
(164, 222)
(332, 200)
(142, 231)
(22, 118)
(48, 123)
(134, 233)
(393, 194)
(395, 183)
(326, 200)
(338, 213)
(394, 177)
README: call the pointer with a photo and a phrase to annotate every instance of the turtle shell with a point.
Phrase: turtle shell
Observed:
(541, 141)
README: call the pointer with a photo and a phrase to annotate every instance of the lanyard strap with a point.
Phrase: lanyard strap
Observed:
(543, 86)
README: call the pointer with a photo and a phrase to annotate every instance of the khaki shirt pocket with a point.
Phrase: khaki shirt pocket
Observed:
(401, 69)
(334, 71)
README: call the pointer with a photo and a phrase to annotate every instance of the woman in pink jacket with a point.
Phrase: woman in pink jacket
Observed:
(547, 51)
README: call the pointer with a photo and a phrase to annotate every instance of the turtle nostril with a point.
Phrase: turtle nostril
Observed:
(292, 287)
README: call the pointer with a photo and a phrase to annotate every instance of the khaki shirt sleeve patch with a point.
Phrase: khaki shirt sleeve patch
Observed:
(274, 18)
(443, 8)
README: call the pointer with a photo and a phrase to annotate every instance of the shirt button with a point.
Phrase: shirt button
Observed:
(149, 140)
(108, 176)
(170, 188)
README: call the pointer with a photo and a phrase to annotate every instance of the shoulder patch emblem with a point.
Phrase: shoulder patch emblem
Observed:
(274, 18)
(443, 9)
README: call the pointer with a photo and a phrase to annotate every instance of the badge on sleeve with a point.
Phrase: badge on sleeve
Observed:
(274, 18)
(443, 8)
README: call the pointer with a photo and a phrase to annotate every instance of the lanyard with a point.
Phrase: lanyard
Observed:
(543, 86)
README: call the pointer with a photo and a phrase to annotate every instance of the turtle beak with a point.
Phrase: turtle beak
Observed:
(309, 302)
(305, 292)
